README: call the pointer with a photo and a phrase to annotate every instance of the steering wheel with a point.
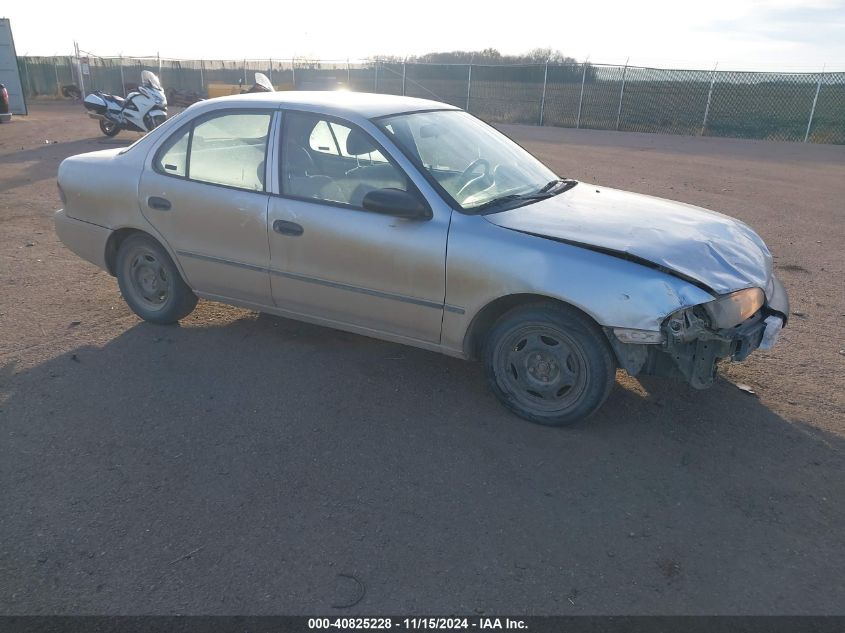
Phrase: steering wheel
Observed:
(468, 178)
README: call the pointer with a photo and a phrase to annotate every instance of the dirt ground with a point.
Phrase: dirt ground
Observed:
(240, 463)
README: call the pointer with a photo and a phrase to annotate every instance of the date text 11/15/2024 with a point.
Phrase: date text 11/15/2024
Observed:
(435, 624)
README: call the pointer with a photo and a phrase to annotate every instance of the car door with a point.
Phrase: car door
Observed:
(204, 191)
(333, 260)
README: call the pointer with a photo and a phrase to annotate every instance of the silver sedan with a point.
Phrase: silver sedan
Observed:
(412, 221)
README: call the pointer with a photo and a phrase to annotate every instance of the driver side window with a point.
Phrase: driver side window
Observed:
(324, 160)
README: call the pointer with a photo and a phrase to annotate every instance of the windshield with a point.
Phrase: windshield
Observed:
(261, 80)
(475, 164)
(148, 77)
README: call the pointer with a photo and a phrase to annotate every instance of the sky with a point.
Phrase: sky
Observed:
(787, 35)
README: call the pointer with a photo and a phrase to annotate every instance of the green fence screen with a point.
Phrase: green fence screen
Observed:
(755, 105)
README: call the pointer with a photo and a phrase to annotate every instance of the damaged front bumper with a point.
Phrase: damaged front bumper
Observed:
(689, 348)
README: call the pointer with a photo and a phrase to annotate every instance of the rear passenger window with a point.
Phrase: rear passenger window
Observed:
(332, 162)
(228, 149)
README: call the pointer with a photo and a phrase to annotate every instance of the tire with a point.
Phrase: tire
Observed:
(109, 128)
(150, 282)
(549, 363)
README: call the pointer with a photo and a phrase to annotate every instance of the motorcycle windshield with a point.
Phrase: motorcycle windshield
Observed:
(149, 79)
(261, 80)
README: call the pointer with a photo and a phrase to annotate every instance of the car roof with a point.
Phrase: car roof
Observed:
(337, 102)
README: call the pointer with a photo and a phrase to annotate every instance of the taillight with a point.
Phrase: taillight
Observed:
(4, 94)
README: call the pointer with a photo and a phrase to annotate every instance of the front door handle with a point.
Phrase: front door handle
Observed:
(162, 204)
(287, 228)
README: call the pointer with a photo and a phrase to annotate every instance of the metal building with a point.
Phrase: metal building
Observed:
(9, 74)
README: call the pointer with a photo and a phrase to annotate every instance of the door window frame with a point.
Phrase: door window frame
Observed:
(189, 126)
(329, 118)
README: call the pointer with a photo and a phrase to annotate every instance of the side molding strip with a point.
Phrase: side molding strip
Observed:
(218, 260)
(325, 282)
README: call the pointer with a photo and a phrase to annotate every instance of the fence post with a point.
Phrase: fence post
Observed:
(348, 75)
(375, 77)
(581, 98)
(271, 71)
(202, 78)
(543, 97)
(56, 68)
(245, 81)
(293, 72)
(622, 93)
(122, 80)
(469, 85)
(709, 98)
(404, 76)
(79, 69)
(158, 56)
(813, 109)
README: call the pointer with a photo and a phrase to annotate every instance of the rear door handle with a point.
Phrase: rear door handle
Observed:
(287, 228)
(162, 204)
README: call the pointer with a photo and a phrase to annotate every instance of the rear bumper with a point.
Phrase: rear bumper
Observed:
(5, 117)
(83, 238)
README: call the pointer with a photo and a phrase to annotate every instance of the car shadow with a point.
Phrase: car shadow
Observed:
(42, 162)
(253, 467)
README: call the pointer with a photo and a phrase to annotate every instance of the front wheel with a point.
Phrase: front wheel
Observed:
(109, 128)
(549, 364)
(151, 283)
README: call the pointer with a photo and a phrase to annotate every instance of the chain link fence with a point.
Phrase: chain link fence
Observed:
(774, 106)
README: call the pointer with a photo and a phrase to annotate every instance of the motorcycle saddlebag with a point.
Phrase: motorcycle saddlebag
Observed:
(95, 103)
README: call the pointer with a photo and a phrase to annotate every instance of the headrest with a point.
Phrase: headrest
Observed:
(358, 143)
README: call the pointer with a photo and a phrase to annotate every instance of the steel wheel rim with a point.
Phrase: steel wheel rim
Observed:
(148, 279)
(541, 368)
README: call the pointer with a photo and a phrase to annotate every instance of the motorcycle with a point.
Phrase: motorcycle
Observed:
(141, 111)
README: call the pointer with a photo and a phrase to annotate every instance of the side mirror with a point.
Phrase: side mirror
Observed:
(398, 203)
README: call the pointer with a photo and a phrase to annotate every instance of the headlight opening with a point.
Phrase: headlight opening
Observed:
(735, 308)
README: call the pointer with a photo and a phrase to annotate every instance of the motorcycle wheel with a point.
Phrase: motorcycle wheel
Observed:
(109, 128)
(158, 120)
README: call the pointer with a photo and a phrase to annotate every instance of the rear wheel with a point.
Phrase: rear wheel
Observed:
(151, 283)
(549, 364)
(109, 128)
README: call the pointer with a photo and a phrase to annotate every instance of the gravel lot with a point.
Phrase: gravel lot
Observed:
(242, 463)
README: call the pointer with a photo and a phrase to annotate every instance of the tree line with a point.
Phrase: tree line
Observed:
(486, 56)
(562, 69)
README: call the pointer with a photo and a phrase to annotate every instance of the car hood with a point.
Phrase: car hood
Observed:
(712, 249)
